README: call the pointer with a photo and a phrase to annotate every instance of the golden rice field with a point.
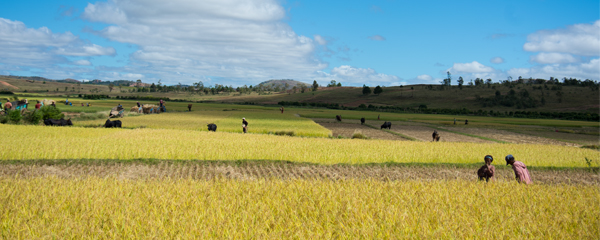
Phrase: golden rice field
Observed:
(48, 208)
(172, 144)
(260, 121)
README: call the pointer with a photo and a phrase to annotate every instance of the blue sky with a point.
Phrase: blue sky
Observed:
(237, 42)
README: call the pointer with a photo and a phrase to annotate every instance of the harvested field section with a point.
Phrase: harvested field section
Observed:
(348, 129)
(510, 137)
(423, 133)
(285, 171)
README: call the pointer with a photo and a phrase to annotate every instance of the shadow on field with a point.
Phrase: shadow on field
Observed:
(267, 169)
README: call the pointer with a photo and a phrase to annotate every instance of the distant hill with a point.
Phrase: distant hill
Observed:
(281, 84)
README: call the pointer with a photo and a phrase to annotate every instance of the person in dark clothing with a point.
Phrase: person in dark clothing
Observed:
(38, 105)
(190, 107)
(138, 104)
(466, 121)
(486, 172)
(245, 125)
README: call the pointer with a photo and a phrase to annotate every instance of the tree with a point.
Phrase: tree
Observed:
(295, 88)
(331, 84)
(488, 82)
(315, 86)
(121, 87)
(378, 90)
(339, 84)
(448, 81)
(303, 88)
(460, 82)
(111, 86)
(366, 90)
(138, 83)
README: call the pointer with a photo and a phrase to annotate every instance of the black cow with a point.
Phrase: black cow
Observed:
(338, 118)
(362, 121)
(58, 122)
(387, 125)
(212, 127)
(111, 124)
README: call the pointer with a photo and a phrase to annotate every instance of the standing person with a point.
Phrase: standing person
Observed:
(245, 125)
(138, 104)
(466, 121)
(281, 109)
(38, 105)
(189, 107)
(26, 103)
(161, 103)
(487, 170)
(454, 121)
(378, 116)
(8, 105)
(521, 173)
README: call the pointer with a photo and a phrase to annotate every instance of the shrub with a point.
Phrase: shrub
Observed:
(51, 112)
(14, 116)
(33, 117)
(283, 133)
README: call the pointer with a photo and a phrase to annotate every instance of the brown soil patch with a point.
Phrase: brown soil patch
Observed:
(257, 170)
(511, 137)
(423, 133)
(3, 83)
(346, 129)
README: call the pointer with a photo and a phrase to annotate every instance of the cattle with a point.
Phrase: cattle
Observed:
(111, 124)
(212, 127)
(387, 125)
(435, 136)
(362, 121)
(58, 122)
(338, 118)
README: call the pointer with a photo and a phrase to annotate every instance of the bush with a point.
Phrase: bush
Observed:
(33, 117)
(283, 133)
(14, 116)
(51, 112)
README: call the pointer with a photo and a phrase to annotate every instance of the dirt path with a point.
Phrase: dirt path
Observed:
(423, 133)
(257, 170)
(510, 137)
(348, 127)
(3, 83)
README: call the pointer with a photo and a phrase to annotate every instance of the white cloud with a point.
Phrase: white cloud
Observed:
(352, 76)
(587, 70)
(320, 40)
(23, 46)
(82, 62)
(548, 58)
(377, 38)
(578, 39)
(497, 60)
(472, 67)
(229, 39)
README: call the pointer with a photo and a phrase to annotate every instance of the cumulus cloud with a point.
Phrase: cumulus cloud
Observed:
(229, 39)
(497, 60)
(82, 62)
(377, 38)
(586, 70)
(472, 67)
(353, 76)
(578, 39)
(23, 46)
(549, 58)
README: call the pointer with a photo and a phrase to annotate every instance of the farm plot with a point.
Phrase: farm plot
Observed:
(423, 133)
(347, 129)
(510, 137)
(253, 170)
(98, 208)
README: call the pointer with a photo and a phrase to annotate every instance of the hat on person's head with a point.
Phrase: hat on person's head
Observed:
(489, 157)
(244, 118)
(508, 158)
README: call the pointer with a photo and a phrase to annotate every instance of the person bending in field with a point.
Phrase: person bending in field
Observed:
(244, 125)
(521, 173)
(486, 172)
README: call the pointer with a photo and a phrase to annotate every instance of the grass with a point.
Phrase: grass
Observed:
(307, 209)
